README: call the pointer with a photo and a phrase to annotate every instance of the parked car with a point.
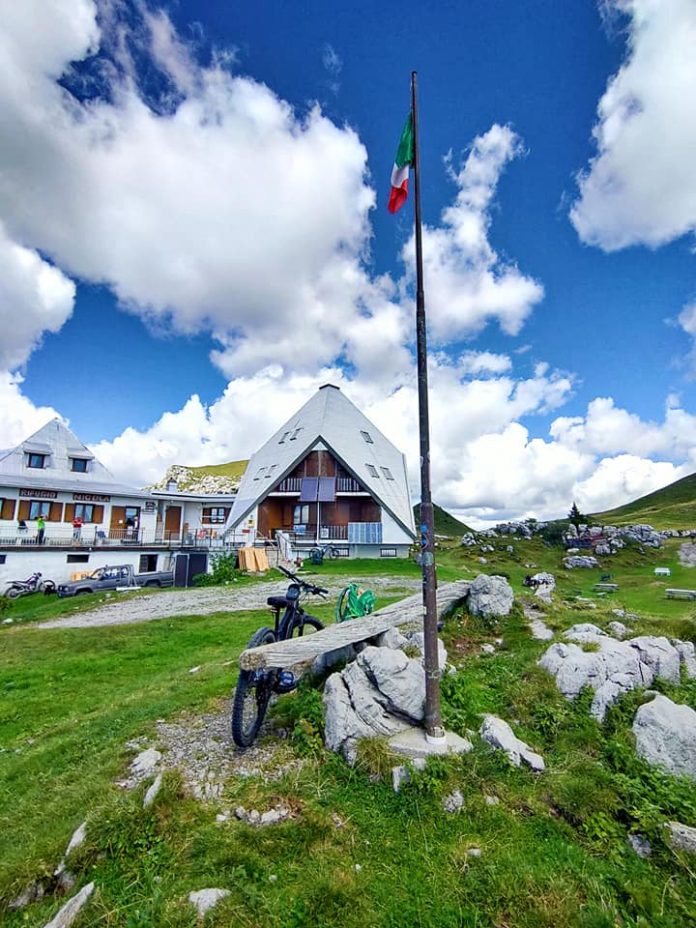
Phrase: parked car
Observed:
(110, 578)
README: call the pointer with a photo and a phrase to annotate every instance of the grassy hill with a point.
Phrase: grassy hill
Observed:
(445, 522)
(673, 506)
(210, 478)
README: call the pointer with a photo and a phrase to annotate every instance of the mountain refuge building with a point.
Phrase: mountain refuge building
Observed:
(327, 476)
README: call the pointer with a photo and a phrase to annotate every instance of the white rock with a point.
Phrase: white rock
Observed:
(681, 837)
(617, 629)
(206, 899)
(640, 845)
(492, 800)
(578, 560)
(685, 650)
(67, 915)
(195, 669)
(152, 791)
(399, 679)
(78, 838)
(145, 763)
(454, 802)
(499, 734)
(33, 893)
(417, 640)
(490, 596)
(401, 774)
(392, 638)
(488, 648)
(666, 735)
(474, 852)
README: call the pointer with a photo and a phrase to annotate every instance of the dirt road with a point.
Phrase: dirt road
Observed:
(204, 600)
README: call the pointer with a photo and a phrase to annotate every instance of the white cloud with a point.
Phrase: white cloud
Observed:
(640, 187)
(466, 283)
(19, 417)
(35, 297)
(484, 362)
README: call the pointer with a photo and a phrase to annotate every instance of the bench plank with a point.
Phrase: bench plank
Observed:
(298, 650)
(680, 594)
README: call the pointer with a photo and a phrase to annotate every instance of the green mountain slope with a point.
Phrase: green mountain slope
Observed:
(445, 523)
(208, 478)
(673, 506)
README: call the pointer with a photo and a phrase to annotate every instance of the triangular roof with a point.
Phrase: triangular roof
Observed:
(60, 444)
(329, 417)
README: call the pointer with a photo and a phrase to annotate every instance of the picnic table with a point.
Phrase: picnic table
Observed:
(680, 594)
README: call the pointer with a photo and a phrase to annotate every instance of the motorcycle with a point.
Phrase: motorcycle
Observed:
(32, 584)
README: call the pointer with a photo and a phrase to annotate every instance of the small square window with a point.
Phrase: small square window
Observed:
(387, 473)
(3, 558)
(367, 437)
(295, 433)
(372, 470)
(78, 465)
(270, 470)
(36, 460)
(285, 435)
(78, 559)
(387, 552)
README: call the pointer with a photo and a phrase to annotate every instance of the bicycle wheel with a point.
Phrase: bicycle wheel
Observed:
(251, 696)
(342, 610)
(306, 625)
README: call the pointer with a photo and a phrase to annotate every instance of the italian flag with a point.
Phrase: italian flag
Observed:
(399, 177)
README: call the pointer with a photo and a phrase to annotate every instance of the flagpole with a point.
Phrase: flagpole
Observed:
(433, 716)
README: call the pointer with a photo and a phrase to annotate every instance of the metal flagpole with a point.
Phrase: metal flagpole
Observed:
(433, 717)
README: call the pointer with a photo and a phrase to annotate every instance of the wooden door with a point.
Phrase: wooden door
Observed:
(172, 521)
(118, 518)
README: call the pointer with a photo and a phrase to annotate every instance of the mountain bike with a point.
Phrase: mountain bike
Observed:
(255, 687)
(354, 602)
(319, 552)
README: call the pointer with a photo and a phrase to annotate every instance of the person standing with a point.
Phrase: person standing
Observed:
(40, 529)
(77, 524)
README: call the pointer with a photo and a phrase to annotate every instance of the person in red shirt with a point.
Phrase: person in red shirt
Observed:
(77, 524)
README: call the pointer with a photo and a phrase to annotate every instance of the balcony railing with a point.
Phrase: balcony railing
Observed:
(289, 485)
(348, 485)
(91, 537)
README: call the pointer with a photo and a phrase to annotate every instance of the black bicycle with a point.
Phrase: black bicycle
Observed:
(255, 687)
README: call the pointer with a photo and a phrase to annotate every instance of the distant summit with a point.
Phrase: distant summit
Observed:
(673, 506)
(445, 522)
(209, 478)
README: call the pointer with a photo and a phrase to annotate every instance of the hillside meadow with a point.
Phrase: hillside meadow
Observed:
(525, 850)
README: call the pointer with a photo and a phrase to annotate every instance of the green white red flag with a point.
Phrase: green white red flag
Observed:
(403, 161)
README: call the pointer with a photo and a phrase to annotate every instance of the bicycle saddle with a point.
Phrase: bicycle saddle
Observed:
(278, 602)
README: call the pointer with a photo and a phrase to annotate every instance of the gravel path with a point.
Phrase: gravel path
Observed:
(204, 600)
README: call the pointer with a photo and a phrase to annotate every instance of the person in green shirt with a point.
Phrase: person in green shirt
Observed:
(40, 529)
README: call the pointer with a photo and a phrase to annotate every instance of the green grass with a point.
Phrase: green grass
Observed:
(554, 848)
(674, 506)
(445, 522)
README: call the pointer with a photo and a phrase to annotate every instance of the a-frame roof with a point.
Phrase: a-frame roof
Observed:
(59, 445)
(331, 418)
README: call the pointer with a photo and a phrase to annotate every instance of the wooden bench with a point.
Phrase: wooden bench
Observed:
(681, 594)
(299, 650)
(606, 587)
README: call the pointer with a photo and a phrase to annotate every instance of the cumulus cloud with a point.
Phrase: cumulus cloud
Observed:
(640, 188)
(466, 281)
(35, 297)
(484, 362)
(19, 417)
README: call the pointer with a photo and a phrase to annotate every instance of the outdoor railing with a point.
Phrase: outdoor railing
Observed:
(90, 537)
(347, 485)
(289, 485)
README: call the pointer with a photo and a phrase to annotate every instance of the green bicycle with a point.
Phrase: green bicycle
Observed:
(354, 602)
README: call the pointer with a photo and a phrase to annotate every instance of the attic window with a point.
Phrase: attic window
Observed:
(295, 433)
(387, 473)
(367, 437)
(36, 460)
(260, 473)
(285, 435)
(78, 465)
(372, 470)
(270, 470)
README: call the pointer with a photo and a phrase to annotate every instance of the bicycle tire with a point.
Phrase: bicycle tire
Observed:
(251, 696)
(342, 605)
(299, 625)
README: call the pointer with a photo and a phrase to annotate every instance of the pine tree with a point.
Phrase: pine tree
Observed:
(575, 517)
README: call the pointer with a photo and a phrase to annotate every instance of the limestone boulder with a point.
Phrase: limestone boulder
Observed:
(578, 561)
(490, 596)
(666, 736)
(681, 837)
(499, 735)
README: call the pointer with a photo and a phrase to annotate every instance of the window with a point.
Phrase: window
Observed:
(387, 473)
(148, 562)
(387, 552)
(300, 515)
(261, 471)
(37, 509)
(342, 552)
(36, 460)
(270, 470)
(372, 470)
(295, 434)
(215, 515)
(367, 437)
(3, 558)
(78, 559)
(78, 465)
(84, 511)
(282, 440)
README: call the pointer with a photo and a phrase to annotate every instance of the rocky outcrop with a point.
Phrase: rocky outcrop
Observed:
(576, 561)
(681, 837)
(612, 667)
(381, 693)
(543, 585)
(206, 899)
(666, 736)
(490, 597)
(498, 734)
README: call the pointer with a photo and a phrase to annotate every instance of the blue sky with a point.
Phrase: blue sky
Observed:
(181, 179)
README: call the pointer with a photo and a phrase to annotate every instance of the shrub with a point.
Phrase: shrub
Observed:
(223, 571)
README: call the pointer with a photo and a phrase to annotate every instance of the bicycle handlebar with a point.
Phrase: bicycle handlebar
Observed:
(310, 587)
